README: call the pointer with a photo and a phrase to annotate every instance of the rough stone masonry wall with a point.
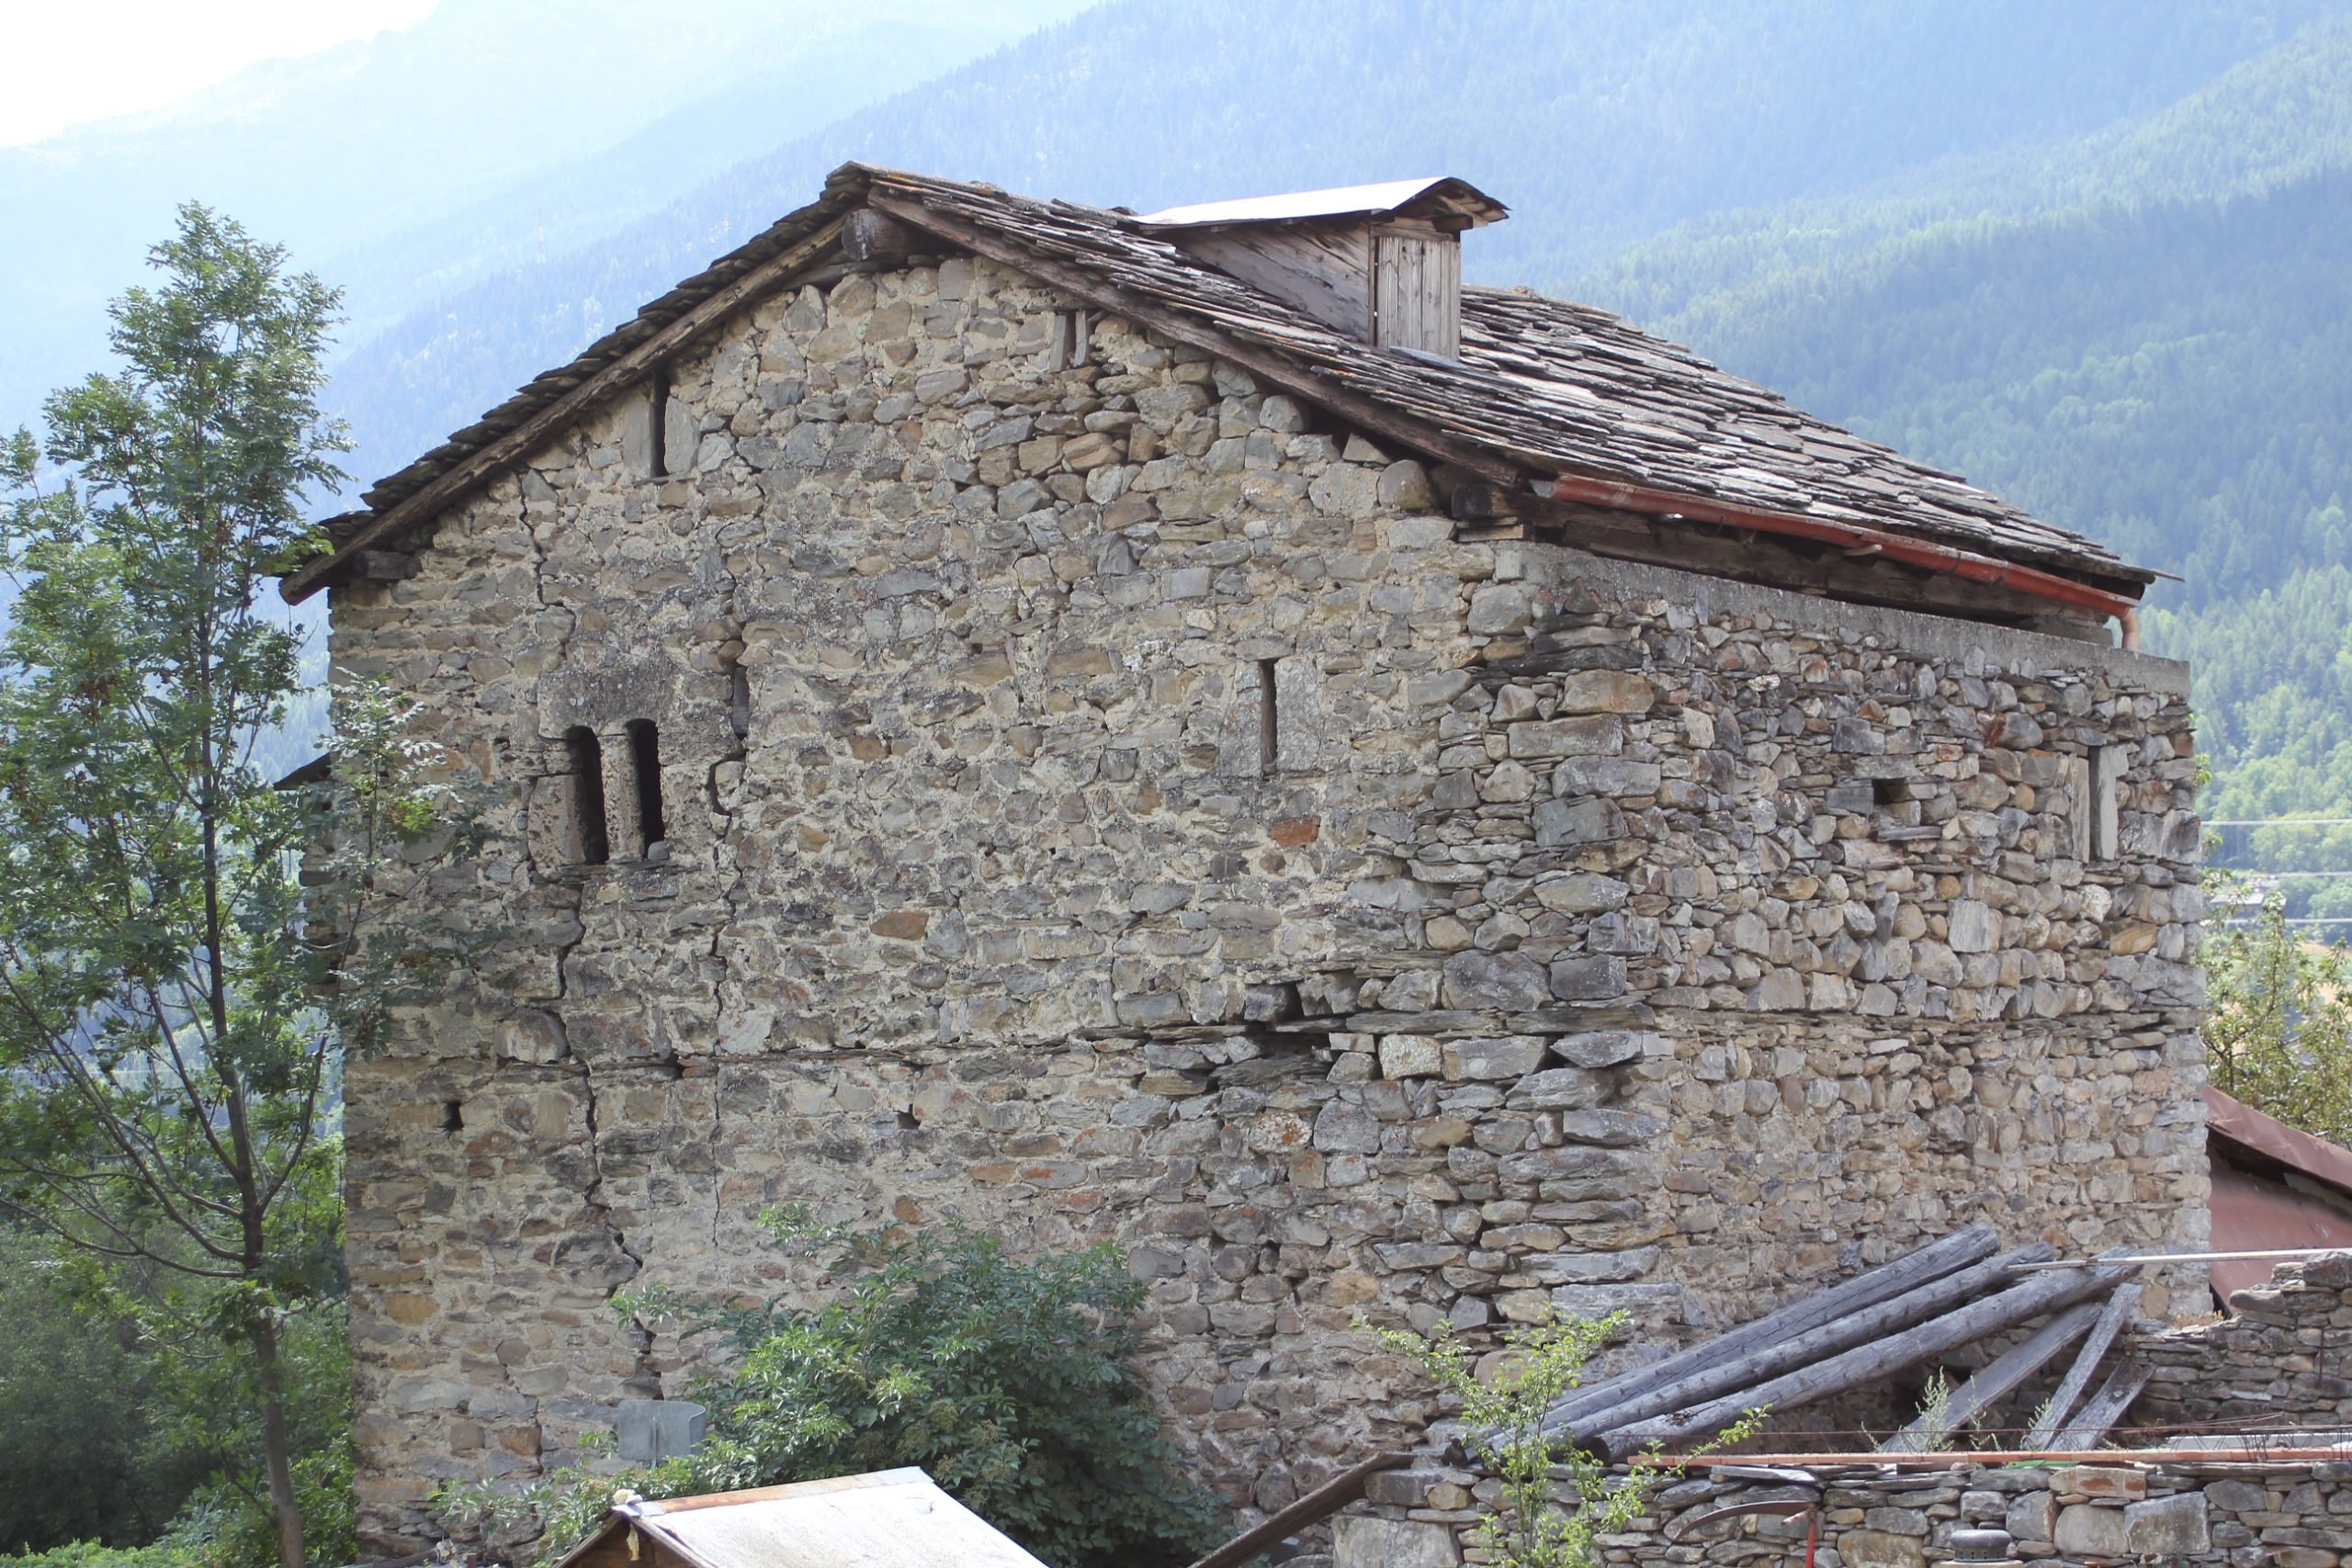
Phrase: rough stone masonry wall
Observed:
(2277, 1367)
(1100, 801)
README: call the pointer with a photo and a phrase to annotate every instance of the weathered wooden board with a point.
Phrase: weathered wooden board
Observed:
(1978, 1393)
(2037, 1294)
(2119, 1307)
(2106, 1407)
(1864, 1327)
(1325, 269)
(1946, 1255)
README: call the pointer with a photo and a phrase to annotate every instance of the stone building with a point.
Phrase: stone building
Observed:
(1384, 797)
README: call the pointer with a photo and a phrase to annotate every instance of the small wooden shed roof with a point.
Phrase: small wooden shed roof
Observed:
(891, 1518)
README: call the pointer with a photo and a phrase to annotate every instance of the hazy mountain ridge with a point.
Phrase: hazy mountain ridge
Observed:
(412, 165)
(1584, 118)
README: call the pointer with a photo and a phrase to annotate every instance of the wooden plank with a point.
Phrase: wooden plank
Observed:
(2039, 1293)
(529, 436)
(1366, 413)
(1867, 1325)
(1323, 269)
(1897, 1276)
(2107, 1407)
(1312, 1510)
(1703, 547)
(2004, 1373)
(2119, 1308)
(871, 236)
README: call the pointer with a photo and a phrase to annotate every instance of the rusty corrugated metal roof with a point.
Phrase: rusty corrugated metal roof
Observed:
(2274, 1185)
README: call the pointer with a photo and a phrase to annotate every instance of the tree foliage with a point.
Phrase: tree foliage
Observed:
(171, 1004)
(2279, 1016)
(1013, 1383)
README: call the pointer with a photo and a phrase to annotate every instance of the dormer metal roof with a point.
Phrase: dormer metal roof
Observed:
(1440, 196)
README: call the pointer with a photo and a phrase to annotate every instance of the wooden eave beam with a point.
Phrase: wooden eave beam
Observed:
(1366, 412)
(1910, 552)
(527, 437)
(1719, 550)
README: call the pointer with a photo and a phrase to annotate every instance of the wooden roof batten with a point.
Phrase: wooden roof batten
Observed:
(1547, 402)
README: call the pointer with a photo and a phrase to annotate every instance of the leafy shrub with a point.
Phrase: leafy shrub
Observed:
(1502, 1415)
(90, 1554)
(1012, 1383)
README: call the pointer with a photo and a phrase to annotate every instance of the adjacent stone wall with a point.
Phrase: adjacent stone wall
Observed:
(2273, 1378)
(1102, 801)
(2284, 1358)
(2287, 1514)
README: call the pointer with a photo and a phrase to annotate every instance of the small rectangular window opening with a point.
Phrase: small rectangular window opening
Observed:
(739, 699)
(453, 1116)
(2106, 801)
(1071, 330)
(1268, 735)
(1890, 792)
(645, 766)
(586, 756)
(658, 416)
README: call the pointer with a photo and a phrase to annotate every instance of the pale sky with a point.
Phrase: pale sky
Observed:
(71, 61)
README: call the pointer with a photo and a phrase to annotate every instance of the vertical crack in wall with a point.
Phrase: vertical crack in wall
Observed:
(648, 1378)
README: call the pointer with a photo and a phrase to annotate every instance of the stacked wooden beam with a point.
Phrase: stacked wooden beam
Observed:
(1953, 1292)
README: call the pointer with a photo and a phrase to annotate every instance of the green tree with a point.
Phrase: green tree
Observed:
(170, 1004)
(1012, 1382)
(77, 1425)
(1503, 1408)
(2279, 1016)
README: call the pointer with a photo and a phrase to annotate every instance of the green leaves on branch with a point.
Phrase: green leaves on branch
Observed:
(1012, 1382)
(1556, 1501)
(2279, 1018)
(174, 1000)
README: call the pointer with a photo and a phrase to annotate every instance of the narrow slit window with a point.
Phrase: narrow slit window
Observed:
(1269, 732)
(645, 767)
(739, 699)
(589, 831)
(453, 1116)
(1070, 341)
(2106, 801)
(657, 439)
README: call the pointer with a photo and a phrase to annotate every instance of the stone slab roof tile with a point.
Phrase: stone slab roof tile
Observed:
(1557, 388)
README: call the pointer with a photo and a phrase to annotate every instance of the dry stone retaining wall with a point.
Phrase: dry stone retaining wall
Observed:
(2278, 1368)
(2282, 1514)
(1102, 800)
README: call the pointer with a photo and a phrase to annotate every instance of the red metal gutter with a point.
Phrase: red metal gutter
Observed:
(1959, 563)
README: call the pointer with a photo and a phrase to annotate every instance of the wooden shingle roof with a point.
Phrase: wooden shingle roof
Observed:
(1544, 389)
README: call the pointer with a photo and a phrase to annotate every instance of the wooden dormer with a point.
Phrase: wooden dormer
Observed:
(1381, 262)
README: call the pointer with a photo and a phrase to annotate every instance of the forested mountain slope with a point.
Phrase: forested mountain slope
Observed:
(1601, 122)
